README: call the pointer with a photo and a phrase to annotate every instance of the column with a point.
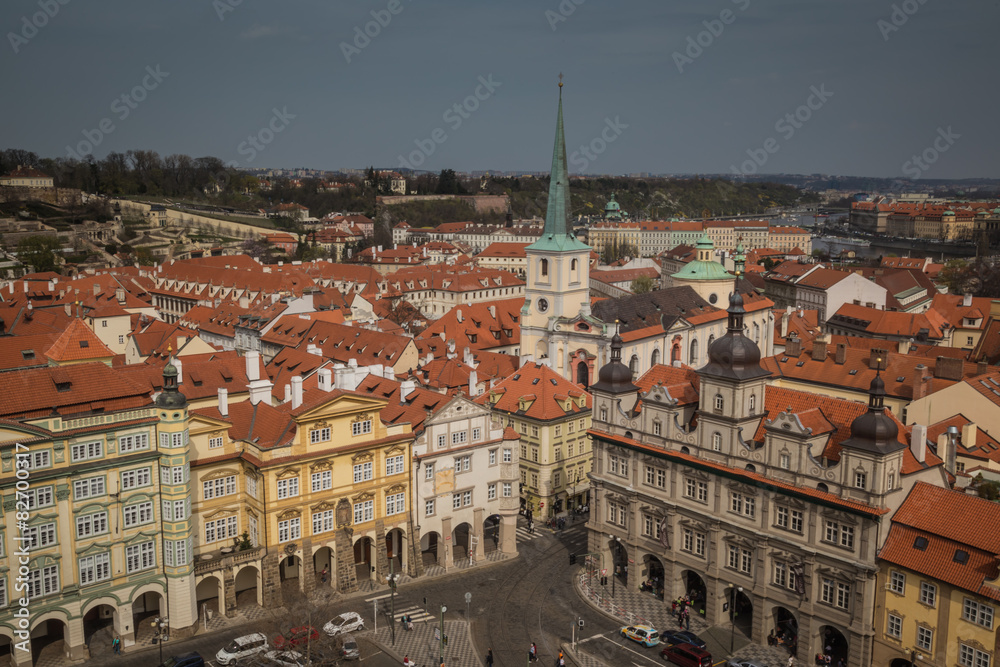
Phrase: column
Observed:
(307, 573)
(229, 592)
(508, 534)
(477, 531)
(74, 643)
(122, 623)
(447, 558)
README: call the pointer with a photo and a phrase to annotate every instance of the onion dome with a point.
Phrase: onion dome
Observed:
(734, 356)
(170, 397)
(875, 431)
(614, 376)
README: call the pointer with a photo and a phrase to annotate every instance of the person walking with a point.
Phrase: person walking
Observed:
(533, 653)
(791, 661)
(322, 575)
(489, 658)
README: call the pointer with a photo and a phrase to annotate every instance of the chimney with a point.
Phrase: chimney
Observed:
(253, 365)
(473, 384)
(388, 373)
(969, 435)
(467, 357)
(430, 358)
(982, 368)
(841, 355)
(819, 348)
(949, 368)
(325, 380)
(801, 312)
(903, 347)
(918, 442)
(966, 300)
(458, 315)
(223, 401)
(793, 347)
(97, 288)
(296, 392)
(921, 381)
(313, 348)
(878, 359)
(951, 437)
(180, 370)
(406, 387)
(493, 311)
(288, 394)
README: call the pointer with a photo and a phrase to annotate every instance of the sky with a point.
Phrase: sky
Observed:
(903, 88)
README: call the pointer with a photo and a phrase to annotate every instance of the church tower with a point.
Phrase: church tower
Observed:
(558, 281)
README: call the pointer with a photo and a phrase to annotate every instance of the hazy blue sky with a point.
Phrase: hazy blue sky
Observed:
(889, 89)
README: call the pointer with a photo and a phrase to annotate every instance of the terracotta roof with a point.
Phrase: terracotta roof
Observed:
(550, 391)
(483, 325)
(78, 342)
(951, 309)
(504, 250)
(681, 383)
(988, 385)
(985, 447)
(25, 351)
(69, 390)
(890, 323)
(420, 403)
(261, 424)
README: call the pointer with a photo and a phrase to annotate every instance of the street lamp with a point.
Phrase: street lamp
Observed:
(441, 638)
(614, 560)
(393, 578)
(159, 624)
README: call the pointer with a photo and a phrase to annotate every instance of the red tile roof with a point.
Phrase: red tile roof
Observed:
(548, 390)
(681, 383)
(69, 390)
(77, 343)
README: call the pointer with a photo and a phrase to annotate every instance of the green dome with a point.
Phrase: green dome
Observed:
(612, 205)
(996, 211)
(705, 242)
(949, 212)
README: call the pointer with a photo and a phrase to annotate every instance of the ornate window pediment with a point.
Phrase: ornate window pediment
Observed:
(616, 498)
(839, 517)
(363, 456)
(221, 513)
(361, 497)
(652, 510)
(361, 418)
(320, 465)
(699, 475)
(288, 472)
(395, 450)
(693, 525)
(290, 513)
(322, 506)
(745, 489)
(740, 541)
(228, 472)
(396, 488)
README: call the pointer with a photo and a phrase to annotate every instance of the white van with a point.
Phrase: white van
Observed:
(242, 647)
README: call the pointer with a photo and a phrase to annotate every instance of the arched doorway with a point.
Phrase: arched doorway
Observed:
(429, 548)
(248, 589)
(619, 561)
(461, 539)
(652, 576)
(394, 549)
(833, 643)
(364, 556)
(6, 648)
(145, 607)
(740, 610)
(48, 641)
(694, 586)
(323, 561)
(98, 625)
(786, 628)
(900, 662)
(491, 533)
(289, 568)
(210, 597)
(583, 374)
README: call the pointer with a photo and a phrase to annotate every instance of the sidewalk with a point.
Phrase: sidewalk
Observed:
(631, 607)
(422, 646)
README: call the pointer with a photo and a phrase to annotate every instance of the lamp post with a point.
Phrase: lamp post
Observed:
(614, 559)
(160, 625)
(441, 639)
(392, 599)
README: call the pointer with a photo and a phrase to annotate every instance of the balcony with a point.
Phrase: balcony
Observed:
(225, 557)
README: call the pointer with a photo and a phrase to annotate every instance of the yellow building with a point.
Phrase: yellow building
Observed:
(938, 589)
(287, 493)
(552, 416)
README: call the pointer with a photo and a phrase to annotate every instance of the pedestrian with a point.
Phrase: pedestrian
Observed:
(770, 638)
(791, 661)
(115, 645)
(673, 607)
(489, 658)
(840, 662)
(322, 575)
(680, 621)
(533, 652)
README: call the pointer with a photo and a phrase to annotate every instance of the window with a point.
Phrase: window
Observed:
(928, 593)
(321, 481)
(717, 442)
(894, 626)
(429, 471)
(618, 465)
(463, 463)
(719, 403)
(897, 582)
(840, 534)
(290, 529)
(88, 488)
(140, 557)
(740, 559)
(132, 479)
(785, 461)
(836, 593)
(175, 510)
(91, 524)
(459, 437)
(925, 638)
(980, 614)
(363, 472)
(251, 486)
(534, 454)
(477, 434)
(225, 486)
(442, 440)
(3, 591)
(289, 488)
(743, 504)
(972, 657)
(491, 491)
(429, 507)
(133, 443)
(650, 527)
(175, 552)
(40, 497)
(796, 521)
(508, 455)
(94, 568)
(781, 517)
(781, 574)
(696, 489)
(508, 490)
(40, 459)
(558, 452)
(364, 511)
(362, 427)
(860, 480)
(44, 581)
(138, 514)
(617, 513)
(86, 451)
(556, 479)
(395, 504)
(320, 435)
(752, 404)
(604, 414)
(39, 536)
(322, 522)
(534, 431)
(847, 537)
(215, 443)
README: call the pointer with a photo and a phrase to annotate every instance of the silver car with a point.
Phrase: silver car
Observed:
(350, 650)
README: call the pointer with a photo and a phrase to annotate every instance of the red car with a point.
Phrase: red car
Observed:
(296, 637)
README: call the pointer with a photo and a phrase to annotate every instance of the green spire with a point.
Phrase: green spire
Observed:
(557, 235)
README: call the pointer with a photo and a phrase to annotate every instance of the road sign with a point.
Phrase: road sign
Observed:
(437, 634)
(468, 598)
(604, 571)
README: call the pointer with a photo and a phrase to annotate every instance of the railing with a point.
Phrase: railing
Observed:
(219, 560)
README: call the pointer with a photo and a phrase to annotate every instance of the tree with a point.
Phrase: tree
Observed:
(259, 249)
(39, 252)
(642, 284)
(989, 490)
(448, 183)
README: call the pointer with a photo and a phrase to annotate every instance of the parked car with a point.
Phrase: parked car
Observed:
(296, 637)
(687, 655)
(186, 660)
(349, 621)
(682, 637)
(742, 663)
(286, 658)
(242, 647)
(350, 649)
(644, 634)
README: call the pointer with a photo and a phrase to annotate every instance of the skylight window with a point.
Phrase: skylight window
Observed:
(961, 557)
(920, 543)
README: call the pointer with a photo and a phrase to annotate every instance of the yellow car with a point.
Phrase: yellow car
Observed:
(643, 634)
